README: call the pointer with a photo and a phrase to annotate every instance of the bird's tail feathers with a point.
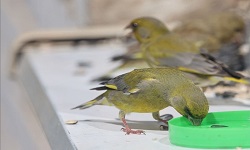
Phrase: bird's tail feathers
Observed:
(242, 80)
(100, 100)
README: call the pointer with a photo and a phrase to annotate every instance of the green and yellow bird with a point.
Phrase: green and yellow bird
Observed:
(151, 90)
(161, 49)
(221, 34)
(133, 58)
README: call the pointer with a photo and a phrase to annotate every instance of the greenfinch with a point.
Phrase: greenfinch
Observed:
(149, 91)
(133, 59)
(168, 49)
(221, 34)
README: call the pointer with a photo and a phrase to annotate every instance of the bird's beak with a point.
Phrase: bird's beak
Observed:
(195, 121)
(128, 27)
(130, 33)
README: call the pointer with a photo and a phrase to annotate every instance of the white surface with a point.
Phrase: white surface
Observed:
(20, 127)
(98, 126)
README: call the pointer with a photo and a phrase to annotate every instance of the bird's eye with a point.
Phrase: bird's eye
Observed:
(134, 25)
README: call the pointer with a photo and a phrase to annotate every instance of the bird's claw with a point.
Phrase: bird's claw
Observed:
(164, 121)
(163, 127)
(129, 131)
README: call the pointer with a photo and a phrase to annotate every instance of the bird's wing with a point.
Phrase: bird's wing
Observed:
(201, 65)
(132, 82)
(178, 103)
(205, 64)
(180, 59)
(194, 63)
(170, 51)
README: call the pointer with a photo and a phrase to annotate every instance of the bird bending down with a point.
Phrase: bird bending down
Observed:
(149, 91)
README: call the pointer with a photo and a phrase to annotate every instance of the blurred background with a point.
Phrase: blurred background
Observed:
(20, 128)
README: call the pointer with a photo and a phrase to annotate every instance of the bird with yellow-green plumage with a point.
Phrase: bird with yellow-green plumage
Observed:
(149, 91)
(218, 34)
(162, 48)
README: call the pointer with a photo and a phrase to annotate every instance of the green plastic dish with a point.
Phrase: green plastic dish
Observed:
(218, 130)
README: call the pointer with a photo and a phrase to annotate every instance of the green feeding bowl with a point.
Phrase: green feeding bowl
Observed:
(218, 130)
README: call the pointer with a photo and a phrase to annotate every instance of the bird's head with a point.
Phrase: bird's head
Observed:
(196, 108)
(193, 106)
(195, 117)
(147, 28)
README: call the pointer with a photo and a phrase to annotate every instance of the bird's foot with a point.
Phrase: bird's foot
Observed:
(130, 131)
(164, 121)
(164, 127)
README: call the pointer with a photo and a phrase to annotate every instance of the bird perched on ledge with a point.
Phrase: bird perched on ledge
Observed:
(220, 34)
(161, 49)
(149, 91)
